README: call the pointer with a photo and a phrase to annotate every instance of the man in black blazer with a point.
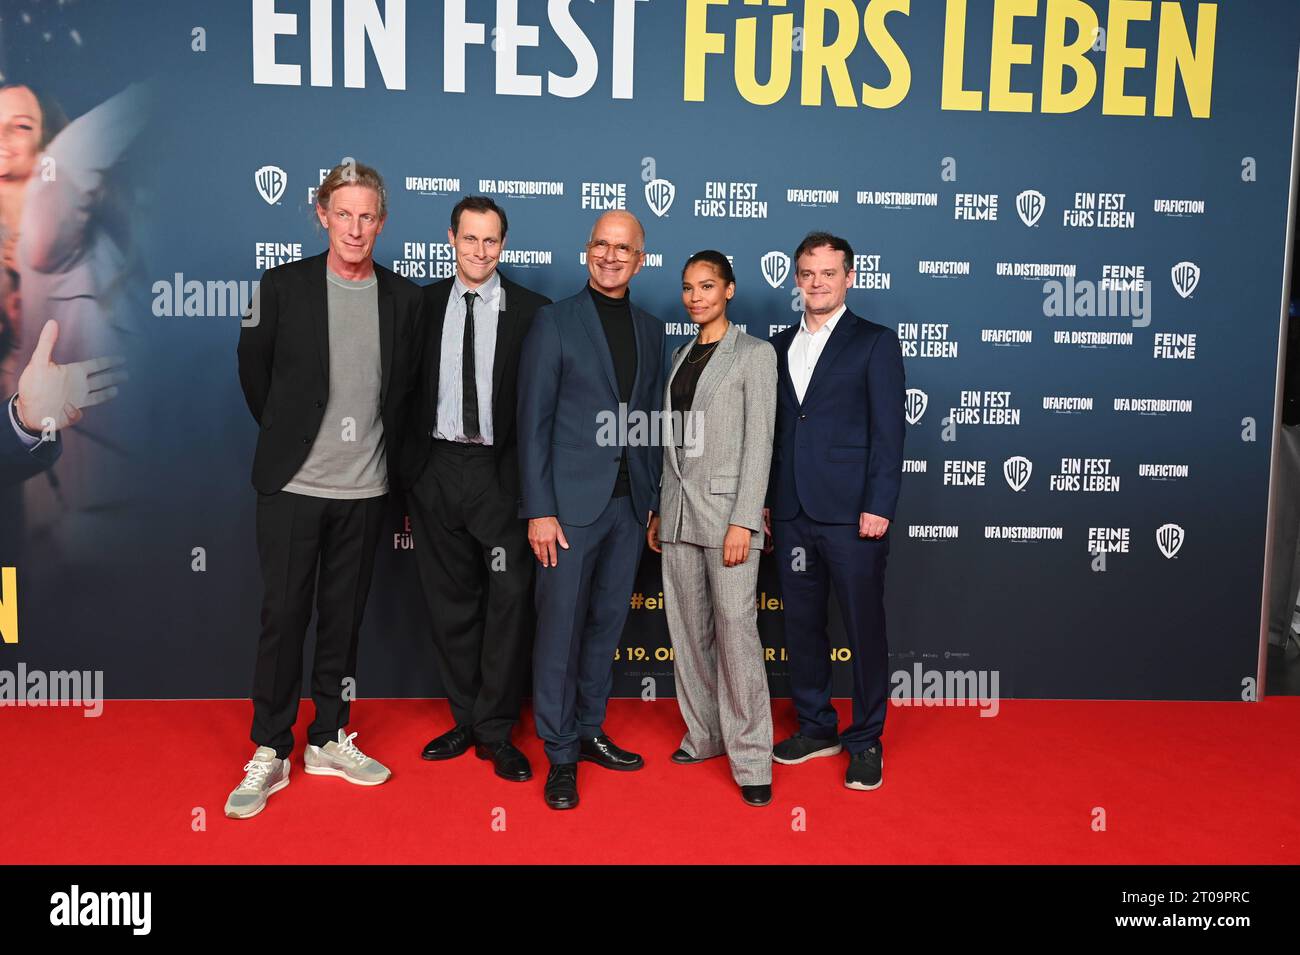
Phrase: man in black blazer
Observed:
(462, 471)
(837, 465)
(328, 360)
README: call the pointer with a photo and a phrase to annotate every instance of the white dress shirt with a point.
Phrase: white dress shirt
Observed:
(491, 299)
(807, 348)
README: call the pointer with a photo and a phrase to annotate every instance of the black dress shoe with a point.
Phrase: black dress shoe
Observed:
(602, 751)
(450, 744)
(756, 795)
(562, 786)
(683, 757)
(508, 762)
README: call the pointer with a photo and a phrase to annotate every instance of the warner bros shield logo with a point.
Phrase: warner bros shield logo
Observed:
(1030, 204)
(659, 195)
(914, 404)
(1169, 538)
(776, 268)
(1017, 470)
(271, 182)
(1186, 276)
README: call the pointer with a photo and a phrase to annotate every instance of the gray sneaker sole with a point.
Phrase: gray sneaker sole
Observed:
(828, 751)
(331, 771)
(269, 793)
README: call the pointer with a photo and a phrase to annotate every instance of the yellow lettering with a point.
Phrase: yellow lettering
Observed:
(778, 82)
(1175, 57)
(891, 54)
(9, 604)
(1120, 58)
(699, 44)
(818, 58)
(1006, 53)
(954, 57)
(1057, 56)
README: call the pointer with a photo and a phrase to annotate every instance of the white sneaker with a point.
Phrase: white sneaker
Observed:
(265, 774)
(343, 759)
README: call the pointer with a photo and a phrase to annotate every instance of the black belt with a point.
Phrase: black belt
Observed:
(462, 447)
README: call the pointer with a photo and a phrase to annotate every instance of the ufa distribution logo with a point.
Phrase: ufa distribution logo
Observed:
(1186, 276)
(1017, 470)
(1030, 204)
(1169, 538)
(915, 404)
(776, 268)
(659, 195)
(271, 182)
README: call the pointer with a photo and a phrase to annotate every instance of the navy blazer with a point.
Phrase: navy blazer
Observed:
(840, 453)
(18, 462)
(567, 392)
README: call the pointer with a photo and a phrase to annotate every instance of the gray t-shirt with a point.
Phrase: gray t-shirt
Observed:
(346, 461)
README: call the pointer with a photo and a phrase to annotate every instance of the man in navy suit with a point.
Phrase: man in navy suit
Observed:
(837, 464)
(590, 384)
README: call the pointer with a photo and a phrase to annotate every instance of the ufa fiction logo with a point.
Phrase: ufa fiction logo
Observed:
(75, 907)
(271, 182)
(1030, 205)
(776, 268)
(1186, 276)
(914, 404)
(1169, 538)
(1017, 470)
(659, 196)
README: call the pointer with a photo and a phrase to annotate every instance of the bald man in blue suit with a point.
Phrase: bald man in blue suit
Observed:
(590, 364)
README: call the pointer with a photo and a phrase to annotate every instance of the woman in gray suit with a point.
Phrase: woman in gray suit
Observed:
(719, 403)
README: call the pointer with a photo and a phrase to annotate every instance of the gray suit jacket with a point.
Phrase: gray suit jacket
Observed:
(720, 475)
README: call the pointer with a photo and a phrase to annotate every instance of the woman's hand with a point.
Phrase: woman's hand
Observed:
(735, 547)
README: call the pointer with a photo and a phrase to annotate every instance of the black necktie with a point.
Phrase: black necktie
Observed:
(468, 378)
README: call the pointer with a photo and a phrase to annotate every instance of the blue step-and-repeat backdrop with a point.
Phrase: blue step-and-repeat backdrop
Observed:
(1073, 212)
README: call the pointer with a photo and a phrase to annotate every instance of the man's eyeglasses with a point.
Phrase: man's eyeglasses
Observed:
(622, 252)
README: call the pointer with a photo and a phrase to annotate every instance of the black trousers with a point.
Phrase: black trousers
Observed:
(297, 536)
(834, 557)
(476, 569)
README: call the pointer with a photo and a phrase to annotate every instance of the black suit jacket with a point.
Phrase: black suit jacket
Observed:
(512, 324)
(17, 461)
(284, 364)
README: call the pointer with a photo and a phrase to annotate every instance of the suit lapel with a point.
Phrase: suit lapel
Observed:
(715, 370)
(668, 409)
(641, 336)
(386, 323)
(318, 297)
(507, 331)
(782, 346)
(591, 324)
(438, 296)
(844, 330)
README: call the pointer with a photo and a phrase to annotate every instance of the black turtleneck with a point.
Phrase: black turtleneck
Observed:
(616, 319)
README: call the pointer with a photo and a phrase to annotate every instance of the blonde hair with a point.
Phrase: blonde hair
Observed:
(352, 173)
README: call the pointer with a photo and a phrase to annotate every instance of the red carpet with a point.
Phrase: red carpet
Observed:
(1179, 783)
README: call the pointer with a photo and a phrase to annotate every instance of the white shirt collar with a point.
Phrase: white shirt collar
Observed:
(828, 326)
(489, 291)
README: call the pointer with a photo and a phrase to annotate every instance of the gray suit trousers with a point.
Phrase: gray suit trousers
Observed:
(718, 659)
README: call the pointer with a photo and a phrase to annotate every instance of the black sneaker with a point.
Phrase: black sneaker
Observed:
(799, 749)
(865, 769)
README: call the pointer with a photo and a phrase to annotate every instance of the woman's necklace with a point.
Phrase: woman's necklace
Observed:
(707, 351)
